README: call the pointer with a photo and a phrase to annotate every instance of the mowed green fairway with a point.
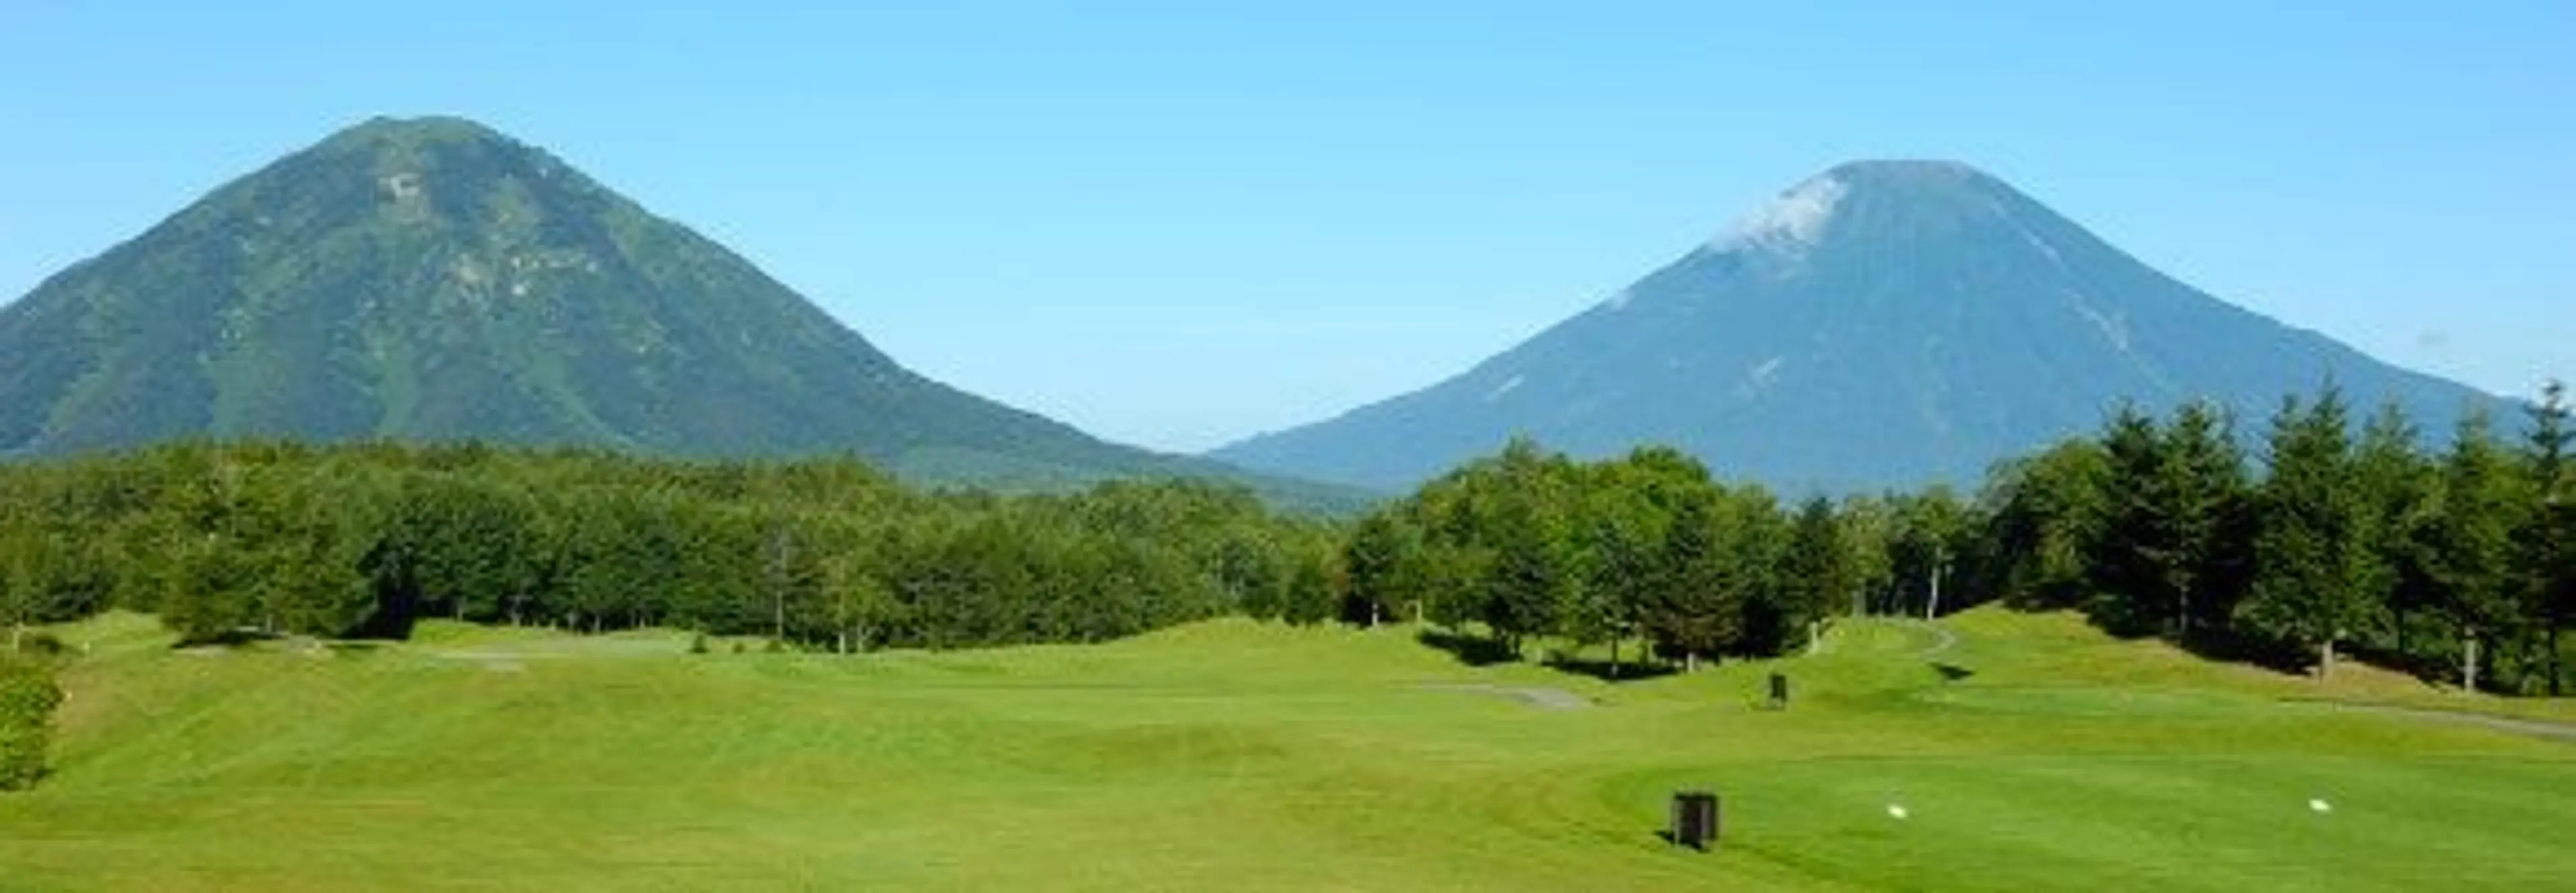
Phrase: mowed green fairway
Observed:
(1234, 756)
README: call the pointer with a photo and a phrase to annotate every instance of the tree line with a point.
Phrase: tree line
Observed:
(2317, 538)
(2458, 563)
(2337, 536)
(242, 539)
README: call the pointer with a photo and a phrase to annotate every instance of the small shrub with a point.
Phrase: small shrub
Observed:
(737, 646)
(27, 700)
(698, 643)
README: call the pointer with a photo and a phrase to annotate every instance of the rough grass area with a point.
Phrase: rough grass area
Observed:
(2029, 753)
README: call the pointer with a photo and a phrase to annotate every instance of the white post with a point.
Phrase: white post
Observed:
(2469, 664)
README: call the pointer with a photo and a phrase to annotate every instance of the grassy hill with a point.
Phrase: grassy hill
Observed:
(2031, 753)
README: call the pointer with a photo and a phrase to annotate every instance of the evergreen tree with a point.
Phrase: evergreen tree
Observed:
(2043, 514)
(2469, 539)
(2310, 578)
(1754, 537)
(2393, 486)
(2546, 542)
(2174, 546)
(1816, 573)
(1695, 610)
(2133, 547)
(2203, 489)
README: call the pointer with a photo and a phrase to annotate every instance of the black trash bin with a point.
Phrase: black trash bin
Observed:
(1695, 819)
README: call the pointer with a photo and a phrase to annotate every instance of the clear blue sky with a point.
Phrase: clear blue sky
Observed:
(1177, 224)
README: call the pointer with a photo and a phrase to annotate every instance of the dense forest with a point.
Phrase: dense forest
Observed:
(2329, 536)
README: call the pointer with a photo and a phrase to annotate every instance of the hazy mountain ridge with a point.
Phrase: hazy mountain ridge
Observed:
(1882, 323)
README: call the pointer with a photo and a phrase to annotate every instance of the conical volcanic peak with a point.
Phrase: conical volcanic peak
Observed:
(432, 278)
(1879, 323)
(1792, 224)
(1861, 207)
(1919, 175)
(385, 135)
(417, 130)
(410, 173)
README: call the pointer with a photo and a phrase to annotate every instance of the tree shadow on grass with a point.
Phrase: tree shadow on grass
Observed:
(1480, 651)
(1627, 670)
(1474, 651)
(231, 638)
(2206, 641)
(1665, 835)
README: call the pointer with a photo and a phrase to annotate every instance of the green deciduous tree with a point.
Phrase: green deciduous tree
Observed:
(1308, 589)
(1931, 534)
(1620, 529)
(1868, 526)
(1384, 561)
(1531, 580)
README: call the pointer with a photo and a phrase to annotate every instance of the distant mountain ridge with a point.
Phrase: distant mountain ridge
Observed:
(1884, 323)
(432, 279)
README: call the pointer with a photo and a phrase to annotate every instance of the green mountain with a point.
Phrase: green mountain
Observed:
(431, 279)
(1881, 324)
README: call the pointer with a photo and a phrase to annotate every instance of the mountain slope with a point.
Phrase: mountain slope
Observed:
(1883, 323)
(433, 279)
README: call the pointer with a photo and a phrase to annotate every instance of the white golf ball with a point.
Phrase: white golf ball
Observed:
(2320, 806)
(1895, 812)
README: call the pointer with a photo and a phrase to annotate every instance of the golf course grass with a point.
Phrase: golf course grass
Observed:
(2027, 752)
